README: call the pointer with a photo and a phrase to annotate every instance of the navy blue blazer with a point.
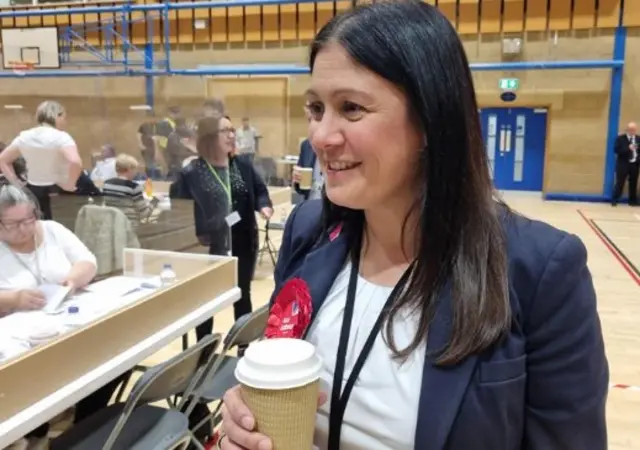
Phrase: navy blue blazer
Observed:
(544, 387)
(307, 158)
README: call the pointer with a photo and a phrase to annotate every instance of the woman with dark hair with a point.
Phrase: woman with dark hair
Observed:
(455, 323)
(226, 192)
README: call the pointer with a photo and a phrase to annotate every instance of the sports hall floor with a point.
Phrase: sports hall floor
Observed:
(611, 237)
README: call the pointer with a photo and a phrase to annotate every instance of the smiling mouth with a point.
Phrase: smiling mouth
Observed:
(341, 166)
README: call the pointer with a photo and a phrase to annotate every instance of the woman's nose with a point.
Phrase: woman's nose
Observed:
(325, 133)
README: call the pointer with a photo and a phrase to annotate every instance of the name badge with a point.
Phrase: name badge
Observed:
(232, 218)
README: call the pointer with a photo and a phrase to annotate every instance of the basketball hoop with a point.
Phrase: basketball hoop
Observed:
(21, 67)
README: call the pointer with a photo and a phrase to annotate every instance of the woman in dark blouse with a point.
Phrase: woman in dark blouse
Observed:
(227, 192)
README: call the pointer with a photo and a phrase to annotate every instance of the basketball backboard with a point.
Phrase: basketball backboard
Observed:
(35, 47)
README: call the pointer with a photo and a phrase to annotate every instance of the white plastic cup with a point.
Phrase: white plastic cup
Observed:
(280, 382)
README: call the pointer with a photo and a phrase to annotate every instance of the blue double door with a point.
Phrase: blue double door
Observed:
(515, 141)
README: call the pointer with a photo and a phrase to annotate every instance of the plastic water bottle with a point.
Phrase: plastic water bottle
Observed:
(167, 275)
(73, 318)
(283, 215)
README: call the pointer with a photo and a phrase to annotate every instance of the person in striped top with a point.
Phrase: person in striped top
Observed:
(125, 194)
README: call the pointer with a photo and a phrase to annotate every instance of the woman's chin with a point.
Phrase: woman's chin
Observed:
(343, 196)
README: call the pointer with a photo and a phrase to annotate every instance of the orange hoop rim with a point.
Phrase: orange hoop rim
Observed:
(21, 65)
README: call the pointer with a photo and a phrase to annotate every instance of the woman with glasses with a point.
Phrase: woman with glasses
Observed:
(34, 252)
(227, 192)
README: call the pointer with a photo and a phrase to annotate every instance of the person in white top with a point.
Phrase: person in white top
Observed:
(51, 155)
(35, 252)
(105, 169)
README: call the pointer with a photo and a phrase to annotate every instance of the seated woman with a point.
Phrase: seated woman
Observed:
(19, 168)
(34, 252)
(125, 194)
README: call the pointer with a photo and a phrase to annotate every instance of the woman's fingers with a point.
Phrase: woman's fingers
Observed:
(237, 409)
(238, 423)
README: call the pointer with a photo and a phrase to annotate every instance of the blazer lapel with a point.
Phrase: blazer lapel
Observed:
(443, 388)
(321, 266)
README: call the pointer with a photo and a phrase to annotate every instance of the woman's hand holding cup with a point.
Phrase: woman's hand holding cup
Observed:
(238, 423)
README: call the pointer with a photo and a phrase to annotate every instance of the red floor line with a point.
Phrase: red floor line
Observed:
(611, 249)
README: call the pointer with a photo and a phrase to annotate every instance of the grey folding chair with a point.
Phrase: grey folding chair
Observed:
(221, 377)
(138, 425)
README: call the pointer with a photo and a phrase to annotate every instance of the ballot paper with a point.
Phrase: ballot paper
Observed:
(55, 295)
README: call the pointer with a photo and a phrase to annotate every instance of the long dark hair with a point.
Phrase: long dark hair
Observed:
(460, 242)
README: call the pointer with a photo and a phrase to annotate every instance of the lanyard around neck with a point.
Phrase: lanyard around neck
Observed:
(38, 273)
(340, 399)
(225, 186)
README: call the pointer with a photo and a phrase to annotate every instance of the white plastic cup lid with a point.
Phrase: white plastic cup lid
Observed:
(279, 364)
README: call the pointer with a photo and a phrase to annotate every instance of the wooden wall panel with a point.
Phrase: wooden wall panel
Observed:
(560, 15)
(253, 24)
(7, 22)
(513, 16)
(342, 6)
(62, 19)
(219, 25)
(235, 18)
(24, 22)
(469, 17)
(289, 22)
(324, 13)
(92, 29)
(609, 12)
(490, 16)
(631, 13)
(184, 26)
(34, 21)
(449, 9)
(584, 14)
(202, 35)
(270, 23)
(536, 17)
(138, 30)
(306, 21)
(178, 25)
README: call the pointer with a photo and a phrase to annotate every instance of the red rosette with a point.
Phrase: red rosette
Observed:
(290, 313)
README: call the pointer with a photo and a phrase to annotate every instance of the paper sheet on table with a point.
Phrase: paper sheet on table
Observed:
(55, 295)
(115, 286)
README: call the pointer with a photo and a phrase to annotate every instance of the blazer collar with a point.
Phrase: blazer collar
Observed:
(322, 265)
(442, 388)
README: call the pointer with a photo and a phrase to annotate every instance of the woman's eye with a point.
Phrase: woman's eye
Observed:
(315, 110)
(352, 111)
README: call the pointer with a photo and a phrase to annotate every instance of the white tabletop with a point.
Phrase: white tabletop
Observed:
(52, 405)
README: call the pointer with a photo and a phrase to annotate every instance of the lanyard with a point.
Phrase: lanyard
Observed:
(339, 400)
(226, 187)
(37, 274)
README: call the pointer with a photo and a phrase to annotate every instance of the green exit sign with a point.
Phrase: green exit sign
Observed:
(509, 84)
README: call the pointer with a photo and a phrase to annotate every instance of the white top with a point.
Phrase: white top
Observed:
(246, 139)
(41, 147)
(58, 251)
(104, 170)
(383, 407)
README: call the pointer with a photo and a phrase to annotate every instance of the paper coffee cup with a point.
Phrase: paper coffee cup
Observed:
(306, 177)
(280, 382)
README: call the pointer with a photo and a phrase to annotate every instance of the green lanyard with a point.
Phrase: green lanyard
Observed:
(227, 186)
